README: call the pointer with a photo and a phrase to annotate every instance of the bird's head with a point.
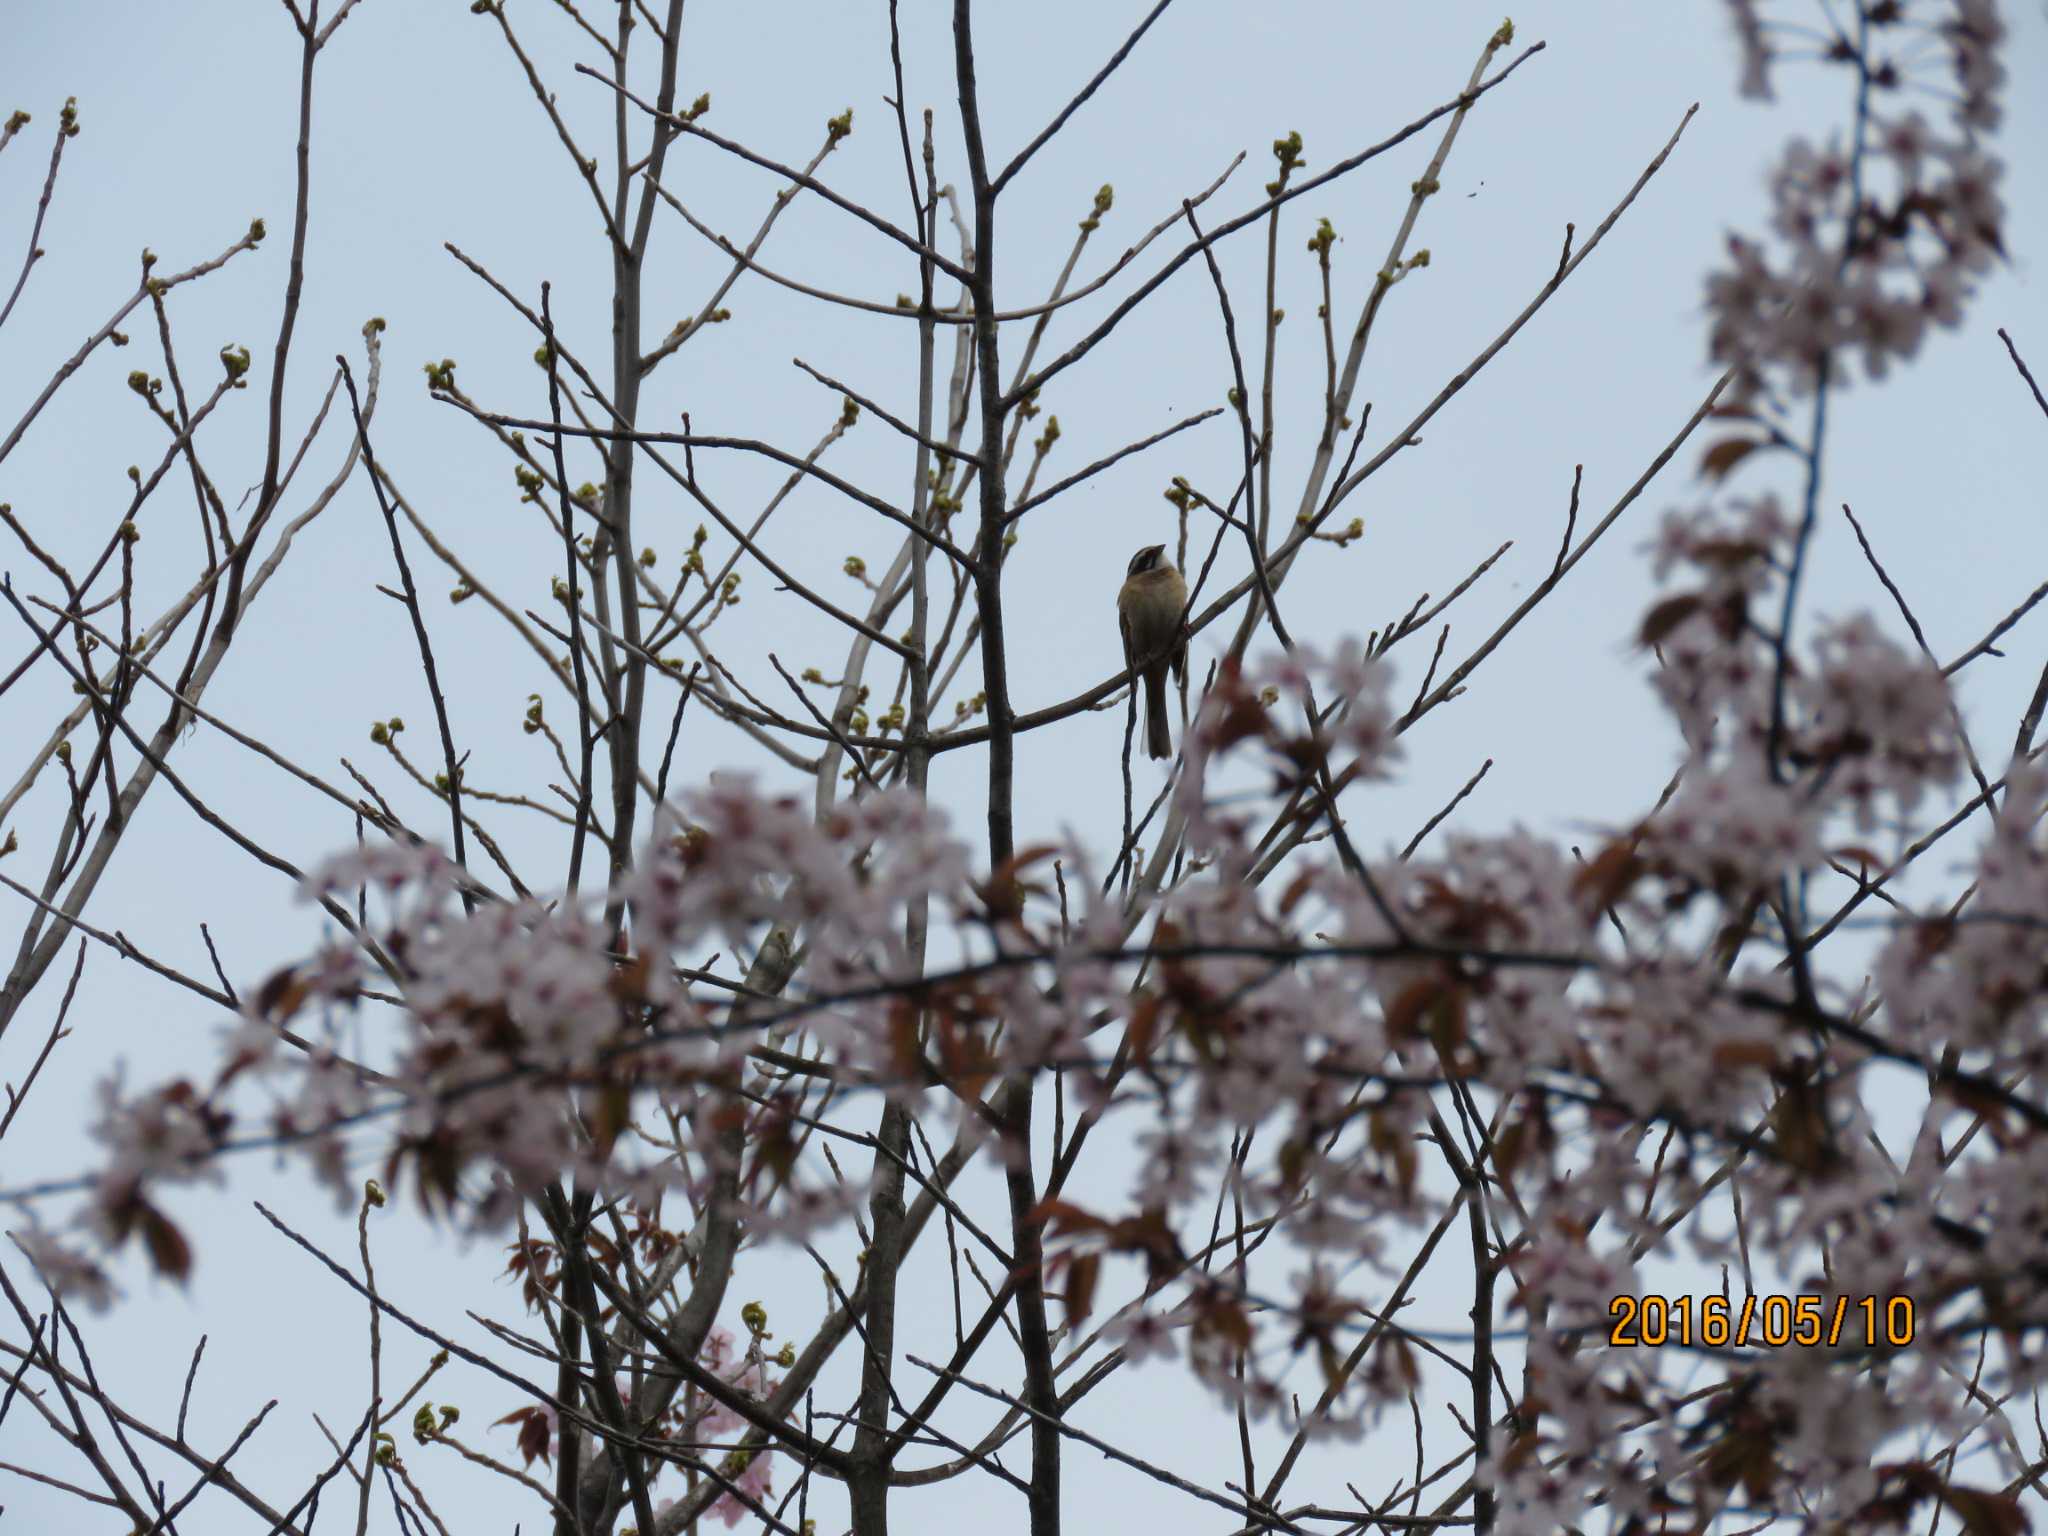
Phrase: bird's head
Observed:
(1150, 558)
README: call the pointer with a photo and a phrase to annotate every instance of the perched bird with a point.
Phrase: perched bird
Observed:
(1148, 610)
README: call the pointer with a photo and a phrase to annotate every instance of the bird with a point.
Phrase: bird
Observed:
(1148, 611)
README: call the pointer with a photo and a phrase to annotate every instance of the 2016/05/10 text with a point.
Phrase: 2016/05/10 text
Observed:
(1650, 1322)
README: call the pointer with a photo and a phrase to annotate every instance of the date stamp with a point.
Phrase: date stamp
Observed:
(1773, 1320)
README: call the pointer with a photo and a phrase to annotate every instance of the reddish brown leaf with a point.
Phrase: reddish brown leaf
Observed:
(1667, 615)
(610, 1114)
(1082, 1274)
(1510, 1145)
(1297, 888)
(1142, 1030)
(1226, 1320)
(1610, 873)
(1987, 1514)
(1061, 1217)
(1723, 456)
(1149, 1235)
(1745, 1053)
(1407, 1011)
(534, 1433)
(628, 980)
(1391, 1139)
(1804, 1139)
(282, 995)
(169, 1253)
(1981, 1513)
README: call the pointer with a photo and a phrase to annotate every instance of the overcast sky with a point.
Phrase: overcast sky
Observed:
(425, 133)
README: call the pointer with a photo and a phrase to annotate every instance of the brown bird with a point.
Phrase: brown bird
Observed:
(1148, 610)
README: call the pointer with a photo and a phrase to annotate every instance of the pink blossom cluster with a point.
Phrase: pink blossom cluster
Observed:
(526, 1034)
(1352, 732)
(1861, 727)
(1977, 980)
(1752, 1081)
(1881, 236)
(709, 1421)
(706, 1429)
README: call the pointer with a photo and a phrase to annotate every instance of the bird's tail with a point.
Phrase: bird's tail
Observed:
(1158, 736)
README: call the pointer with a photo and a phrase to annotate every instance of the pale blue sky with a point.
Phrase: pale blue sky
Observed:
(424, 133)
